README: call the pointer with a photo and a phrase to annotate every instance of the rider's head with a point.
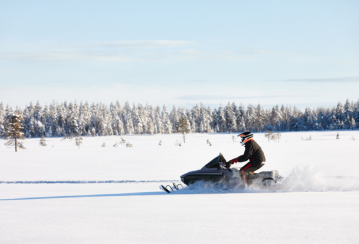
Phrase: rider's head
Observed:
(246, 136)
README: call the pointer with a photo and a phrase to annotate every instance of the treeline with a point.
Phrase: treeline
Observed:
(58, 120)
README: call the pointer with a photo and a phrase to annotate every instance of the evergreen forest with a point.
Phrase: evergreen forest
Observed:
(61, 120)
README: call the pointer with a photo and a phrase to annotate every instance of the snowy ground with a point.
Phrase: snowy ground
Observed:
(50, 195)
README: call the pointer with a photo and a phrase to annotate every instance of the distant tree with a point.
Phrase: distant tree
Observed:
(356, 116)
(353, 124)
(2, 115)
(183, 127)
(166, 121)
(174, 118)
(78, 141)
(231, 124)
(221, 119)
(43, 141)
(12, 130)
(348, 114)
(340, 112)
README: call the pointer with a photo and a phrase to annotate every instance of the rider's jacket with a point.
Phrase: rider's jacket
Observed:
(253, 152)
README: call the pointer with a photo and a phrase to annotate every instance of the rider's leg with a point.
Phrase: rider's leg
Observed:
(248, 168)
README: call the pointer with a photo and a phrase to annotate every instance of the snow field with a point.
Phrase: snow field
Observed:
(318, 202)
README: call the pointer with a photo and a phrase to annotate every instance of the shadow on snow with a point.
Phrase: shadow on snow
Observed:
(83, 196)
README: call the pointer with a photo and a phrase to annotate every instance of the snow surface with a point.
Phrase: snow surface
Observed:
(62, 194)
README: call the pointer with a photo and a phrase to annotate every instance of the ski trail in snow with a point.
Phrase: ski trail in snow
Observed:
(86, 182)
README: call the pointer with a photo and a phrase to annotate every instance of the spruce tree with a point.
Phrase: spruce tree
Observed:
(43, 141)
(12, 130)
(183, 127)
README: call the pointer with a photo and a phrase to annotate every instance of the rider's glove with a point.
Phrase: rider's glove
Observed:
(235, 160)
(228, 164)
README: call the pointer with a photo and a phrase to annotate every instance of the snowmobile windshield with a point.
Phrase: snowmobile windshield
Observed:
(215, 163)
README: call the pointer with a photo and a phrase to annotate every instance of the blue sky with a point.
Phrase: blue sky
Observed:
(297, 53)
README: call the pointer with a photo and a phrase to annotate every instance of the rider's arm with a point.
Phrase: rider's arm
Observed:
(247, 154)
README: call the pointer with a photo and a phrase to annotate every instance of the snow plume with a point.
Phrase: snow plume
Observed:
(304, 179)
(308, 179)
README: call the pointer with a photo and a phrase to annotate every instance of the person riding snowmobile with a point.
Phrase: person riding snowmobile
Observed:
(253, 152)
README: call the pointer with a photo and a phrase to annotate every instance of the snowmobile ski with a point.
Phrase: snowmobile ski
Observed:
(164, 188)
(176, 186)
(169, 188)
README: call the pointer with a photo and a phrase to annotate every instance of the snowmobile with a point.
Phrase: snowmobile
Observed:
(216, 172)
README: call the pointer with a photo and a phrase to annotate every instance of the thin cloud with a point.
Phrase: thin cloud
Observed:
(135, 51)
(63, 56)
(223, 55)
(202, 81)
(342, 79)
(140, 44)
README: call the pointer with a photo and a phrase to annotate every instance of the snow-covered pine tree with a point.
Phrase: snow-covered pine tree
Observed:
(222, 124)
(40, 128)
(196, 118)
(275, 118)
(137, 120)
(13, 130)
(143, 114)
(37, 111)
(174, 118)
(340, 112)
(166, 121)
(49, 132)
(209, 124)
(74, 127)
(192, 125)
(348, 114)
(2, 115)
(259, 118)
(250, 117)
(231, 124)
(287, 116)
(215, 122)
(151, 121)
(159, 123)
(353, 125)
(356, 116)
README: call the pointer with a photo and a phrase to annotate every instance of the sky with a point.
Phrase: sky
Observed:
(296, 53)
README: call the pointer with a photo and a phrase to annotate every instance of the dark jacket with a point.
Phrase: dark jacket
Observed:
(253, 152)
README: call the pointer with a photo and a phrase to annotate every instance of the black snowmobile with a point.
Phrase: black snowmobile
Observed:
(215, 171)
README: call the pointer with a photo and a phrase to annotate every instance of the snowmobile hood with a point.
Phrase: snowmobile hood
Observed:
(214, 167)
